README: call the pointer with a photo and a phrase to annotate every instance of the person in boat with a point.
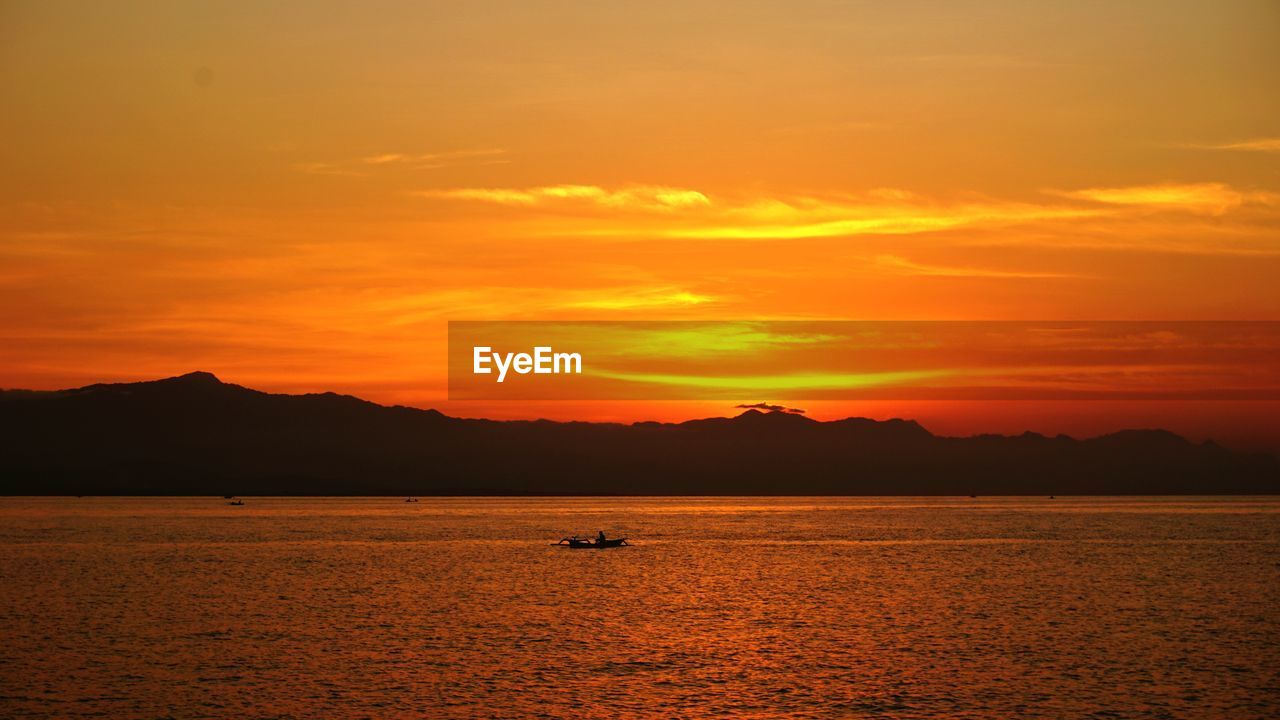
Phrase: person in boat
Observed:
(600, 538)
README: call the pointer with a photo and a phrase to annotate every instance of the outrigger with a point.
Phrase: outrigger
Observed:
(578, 543)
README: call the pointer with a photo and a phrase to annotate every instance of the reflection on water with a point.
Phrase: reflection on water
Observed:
(738, 607)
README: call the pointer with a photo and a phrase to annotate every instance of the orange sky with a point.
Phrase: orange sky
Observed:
(299, 196)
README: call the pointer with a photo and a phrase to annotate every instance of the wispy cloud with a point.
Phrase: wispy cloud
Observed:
(779, 383)
(319, 168)
(690, 214)
(642, 299)
(901, 265)
(361, 167)
(1209, 198)
(1264, 145)
(398, 307)
(1135, 218)
(386, 158)
(435, 159)
(1099, 240)
(880, 212)
(636, 197)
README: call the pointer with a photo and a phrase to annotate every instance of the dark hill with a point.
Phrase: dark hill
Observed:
(197, 435)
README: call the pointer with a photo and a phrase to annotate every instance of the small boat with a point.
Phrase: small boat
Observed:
(578, 543)
(236, 502)
(411, 499)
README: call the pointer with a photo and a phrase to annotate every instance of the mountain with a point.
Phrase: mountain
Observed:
(197, 435)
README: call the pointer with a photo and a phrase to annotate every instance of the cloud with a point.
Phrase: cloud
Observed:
(1133, 217)
(639, 197)
(386, 158)
(421, 161)
(878, 213)
(780, 383)
(1207, 198)
(1137, 242)
(396, 307)
(712, 339)
(904, 266)
(436, 159)
(690, 214)
(770, 408)
(319, 168)
(1264, 145)
(642, 298)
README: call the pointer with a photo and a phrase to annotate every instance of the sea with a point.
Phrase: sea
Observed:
(726, 607)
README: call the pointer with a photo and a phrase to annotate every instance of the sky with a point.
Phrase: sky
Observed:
(298, 196)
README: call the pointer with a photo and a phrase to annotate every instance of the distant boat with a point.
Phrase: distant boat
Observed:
(236, 502)
(411, 499)
(577, 543)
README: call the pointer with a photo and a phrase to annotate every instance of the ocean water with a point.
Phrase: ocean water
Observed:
(723, 608)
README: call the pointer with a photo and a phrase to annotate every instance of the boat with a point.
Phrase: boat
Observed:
(236, 502)
(411, 499)
(577, 543)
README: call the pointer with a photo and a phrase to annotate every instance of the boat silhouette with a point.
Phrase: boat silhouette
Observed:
(577, 543)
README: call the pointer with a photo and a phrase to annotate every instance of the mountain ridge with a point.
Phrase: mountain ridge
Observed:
(195, 434)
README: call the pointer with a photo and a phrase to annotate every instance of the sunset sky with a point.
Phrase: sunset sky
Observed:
(299, 196)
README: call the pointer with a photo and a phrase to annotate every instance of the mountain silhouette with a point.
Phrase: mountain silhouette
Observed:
(194, 434)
